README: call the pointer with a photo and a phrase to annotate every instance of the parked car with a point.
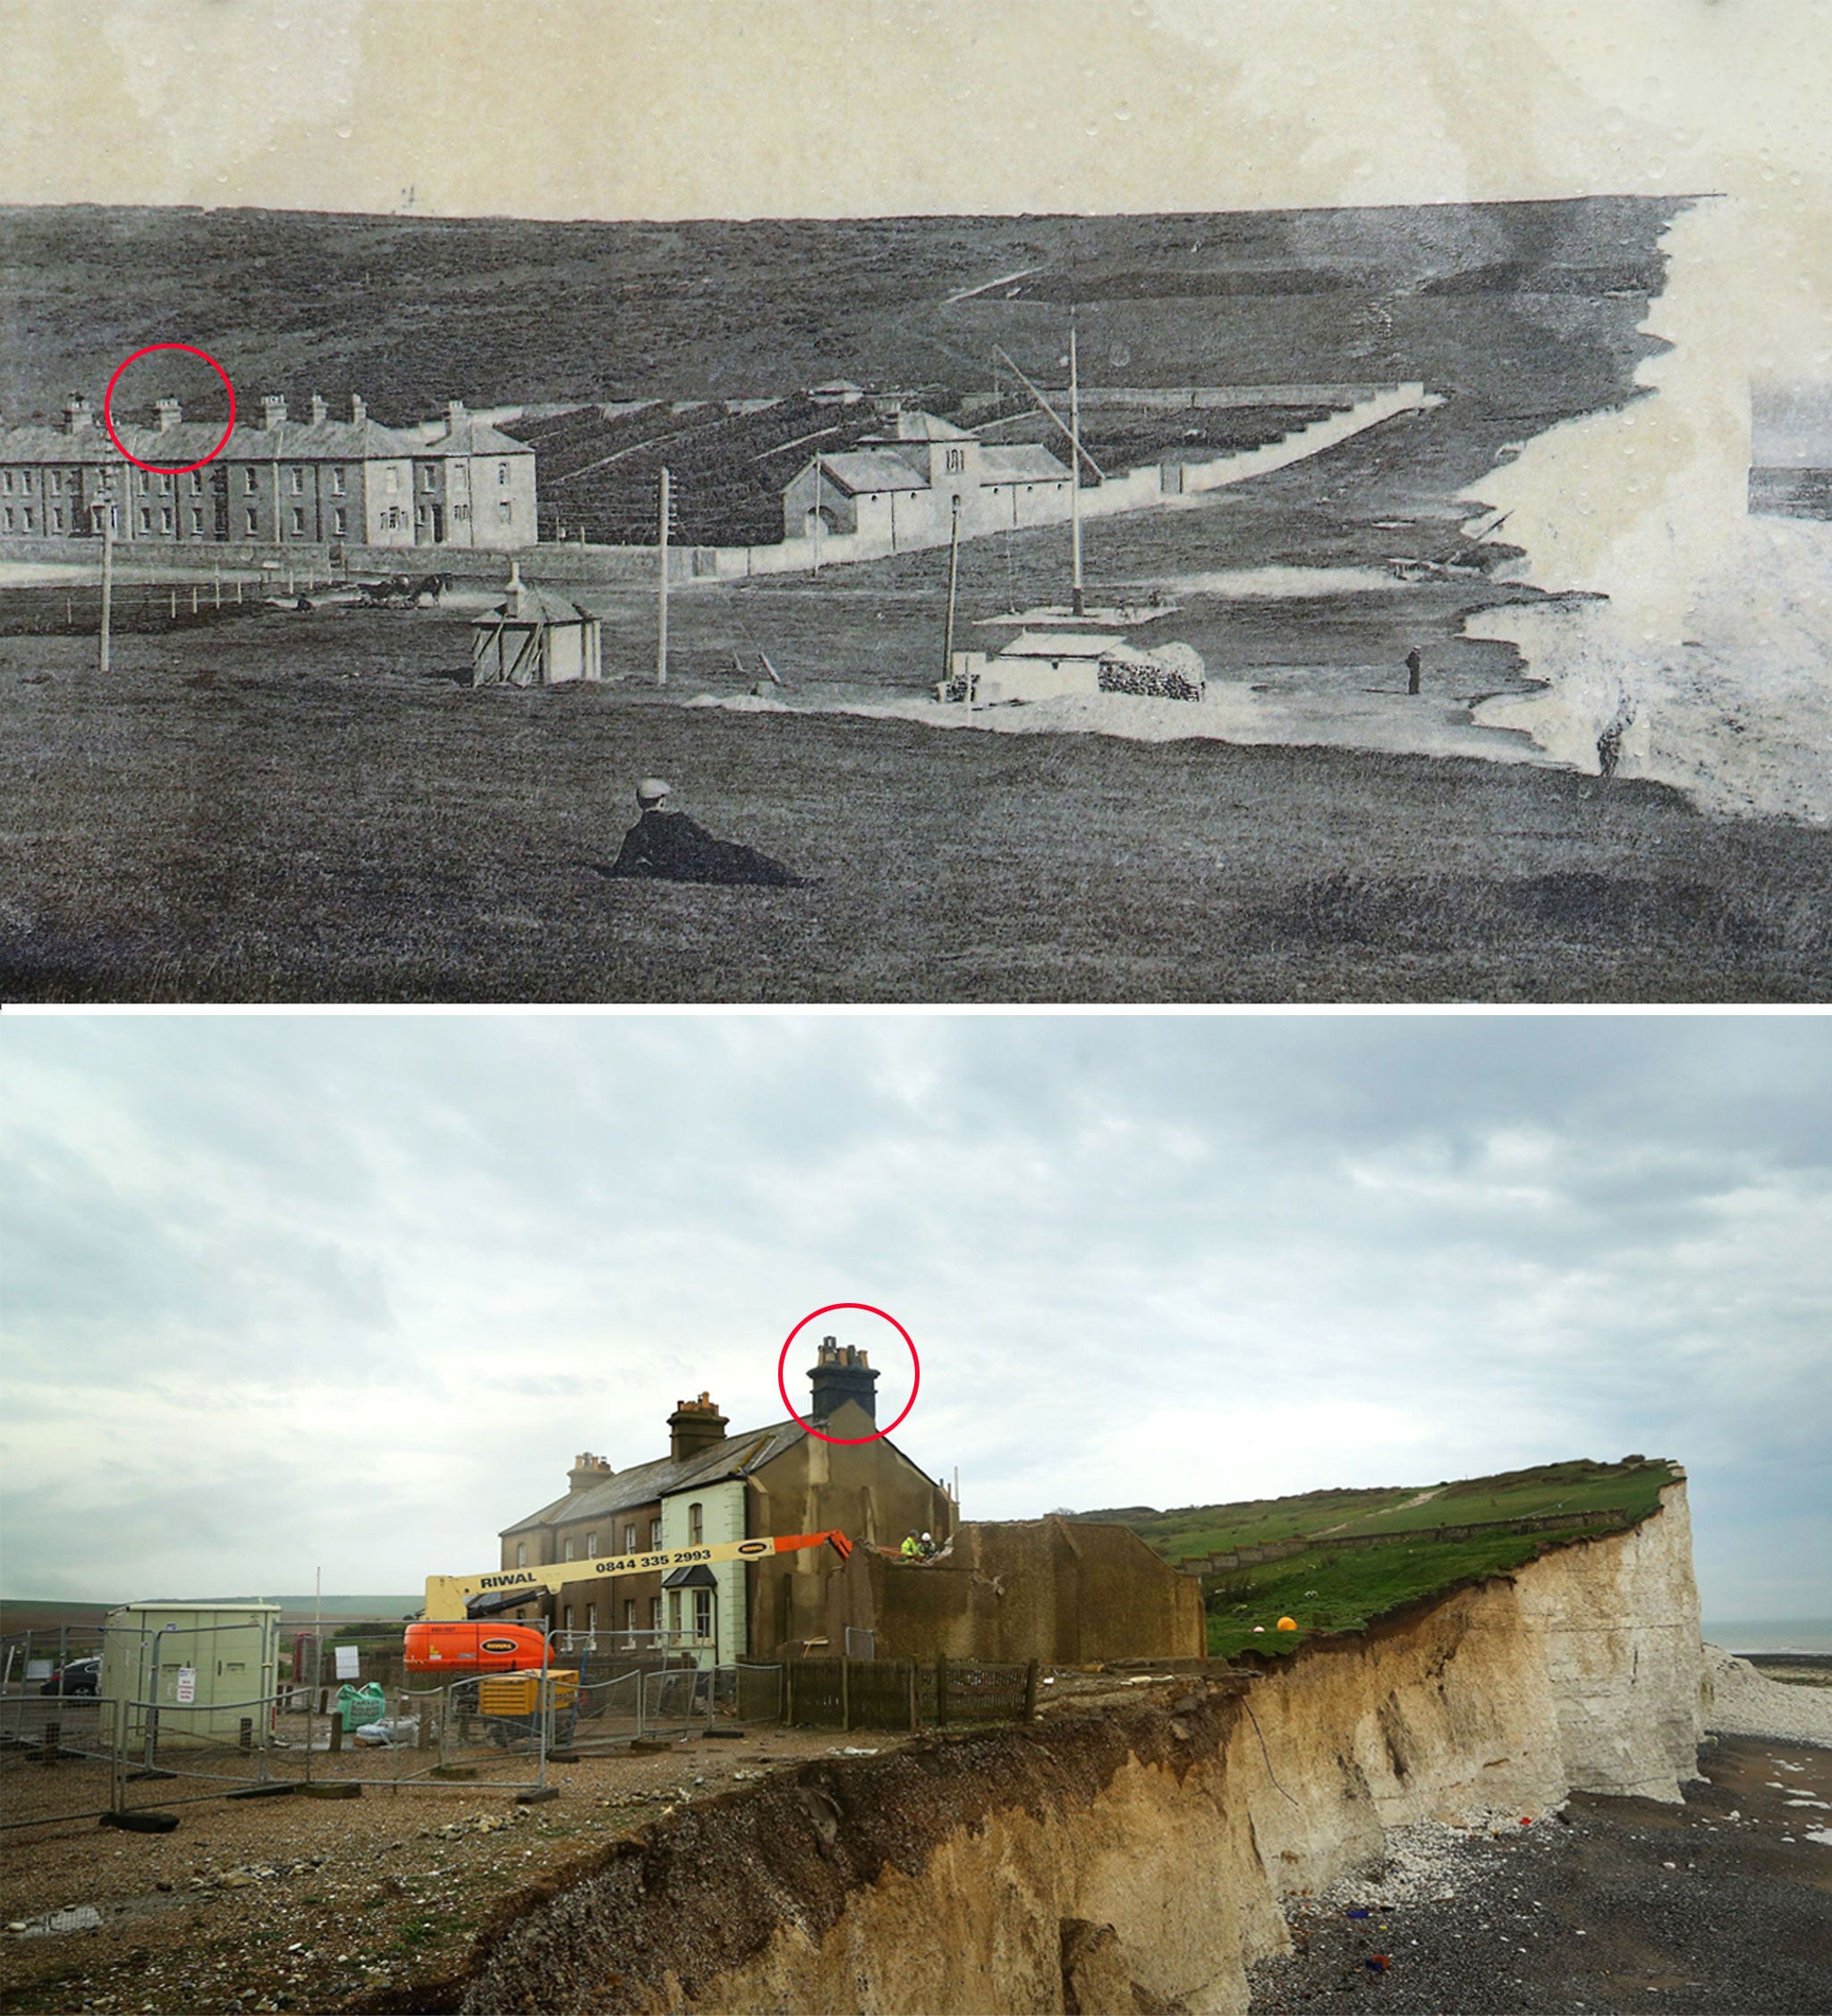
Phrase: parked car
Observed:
(81, 1676)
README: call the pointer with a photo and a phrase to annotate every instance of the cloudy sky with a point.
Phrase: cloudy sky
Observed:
(289, 1292)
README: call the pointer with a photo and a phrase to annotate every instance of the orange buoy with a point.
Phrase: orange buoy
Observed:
(1288, 1624)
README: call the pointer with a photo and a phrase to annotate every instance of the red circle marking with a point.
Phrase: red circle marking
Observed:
(849, 1440)
(165, 469)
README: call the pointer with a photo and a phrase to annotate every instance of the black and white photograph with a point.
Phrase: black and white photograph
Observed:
(1025, 505)
(915, 931)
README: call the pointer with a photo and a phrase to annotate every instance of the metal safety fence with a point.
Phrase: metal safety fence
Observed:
(187, 1712)
(909, 1694)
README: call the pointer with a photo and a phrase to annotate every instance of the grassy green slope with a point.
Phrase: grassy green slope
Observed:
(1337, 1589)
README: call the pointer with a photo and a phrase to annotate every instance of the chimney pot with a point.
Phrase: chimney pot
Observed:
(693, 1425)
(319, 411)
(359, 408)
(170, 413)
(454, 411)
(837, 1376)
(273, 411)
(77, 414)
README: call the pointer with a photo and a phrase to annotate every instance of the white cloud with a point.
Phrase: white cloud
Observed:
(352, 1292)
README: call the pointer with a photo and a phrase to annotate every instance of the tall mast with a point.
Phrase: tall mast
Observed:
(948, 649)
(1075, 473)
(661, 627)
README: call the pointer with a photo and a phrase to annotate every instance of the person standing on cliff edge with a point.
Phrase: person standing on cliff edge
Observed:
(1415, 666)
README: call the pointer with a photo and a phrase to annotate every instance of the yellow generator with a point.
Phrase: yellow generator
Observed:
(520, 1694)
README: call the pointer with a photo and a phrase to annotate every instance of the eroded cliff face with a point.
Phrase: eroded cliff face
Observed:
(1134, 1860)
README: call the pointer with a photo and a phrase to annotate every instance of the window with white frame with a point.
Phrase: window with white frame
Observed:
(591, 1544)
(696, 1525)
(522, 1554)
(655, 1536)
(567, 1556)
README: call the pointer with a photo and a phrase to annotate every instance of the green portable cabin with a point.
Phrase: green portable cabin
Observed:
(206, 1667)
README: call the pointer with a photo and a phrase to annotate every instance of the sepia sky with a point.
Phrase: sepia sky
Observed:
(667, 108)
(287, 1291)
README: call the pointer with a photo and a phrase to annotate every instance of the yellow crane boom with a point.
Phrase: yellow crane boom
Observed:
(456, 1597)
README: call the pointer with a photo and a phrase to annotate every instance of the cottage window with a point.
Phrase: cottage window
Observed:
(164, 520)
(673, 1610)
(165, 485)
(426, 477)
(296, 477)
(590, 1619)
(145, 481)
(568, 1554)
(336, 482)
(56, 518)
(252, 526)
(146, 518)
(338, 527)
(297, 522)
(197, 482)
(502, 472)
(591, 1544)
(197, 521)
(957, 461)
(505, 514)
(629, 1539)
(461, 513)
(702, 1614)
(56, 483)
(655, 1535)
(654, 1613)
(630, 1614)
(25, 519)
(248, 480)
(696, 1525)
(6, 519)
(566, 1619)
(6, 481)
(522, 1554)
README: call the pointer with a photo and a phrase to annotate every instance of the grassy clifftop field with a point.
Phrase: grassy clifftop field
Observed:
(1331, 1585)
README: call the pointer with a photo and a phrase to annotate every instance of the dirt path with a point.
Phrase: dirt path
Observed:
(1410, 1503)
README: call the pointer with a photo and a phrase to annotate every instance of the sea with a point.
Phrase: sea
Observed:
(1784, 1634)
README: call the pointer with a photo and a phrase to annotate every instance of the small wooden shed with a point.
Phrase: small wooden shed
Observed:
(534, 637)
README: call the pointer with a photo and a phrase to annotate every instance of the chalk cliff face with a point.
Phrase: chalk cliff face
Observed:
(1134, 1860)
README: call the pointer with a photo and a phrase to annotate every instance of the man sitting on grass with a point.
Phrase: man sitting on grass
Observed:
(667, 846)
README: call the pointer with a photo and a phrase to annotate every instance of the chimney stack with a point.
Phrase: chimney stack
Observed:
(694, 1425)
(170, 413)
(587, 1471)
(359, 409)
(77, 415)
(455, 414)
(273, 411)
(319, 411)
(840, 1375)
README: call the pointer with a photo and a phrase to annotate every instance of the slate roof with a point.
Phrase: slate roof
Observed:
(1028, 462)
(1068, 644)
(860, 471)
(530, 605)
(191, 441)
(473, 437)
(914, 426)
(737, 1455)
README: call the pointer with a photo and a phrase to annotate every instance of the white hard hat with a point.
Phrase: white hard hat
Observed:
(652, 791)
(928, 1536)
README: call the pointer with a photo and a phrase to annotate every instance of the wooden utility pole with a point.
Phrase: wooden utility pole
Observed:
(1077, 595)
(661, 635)
(948, 648)
(107, 510)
